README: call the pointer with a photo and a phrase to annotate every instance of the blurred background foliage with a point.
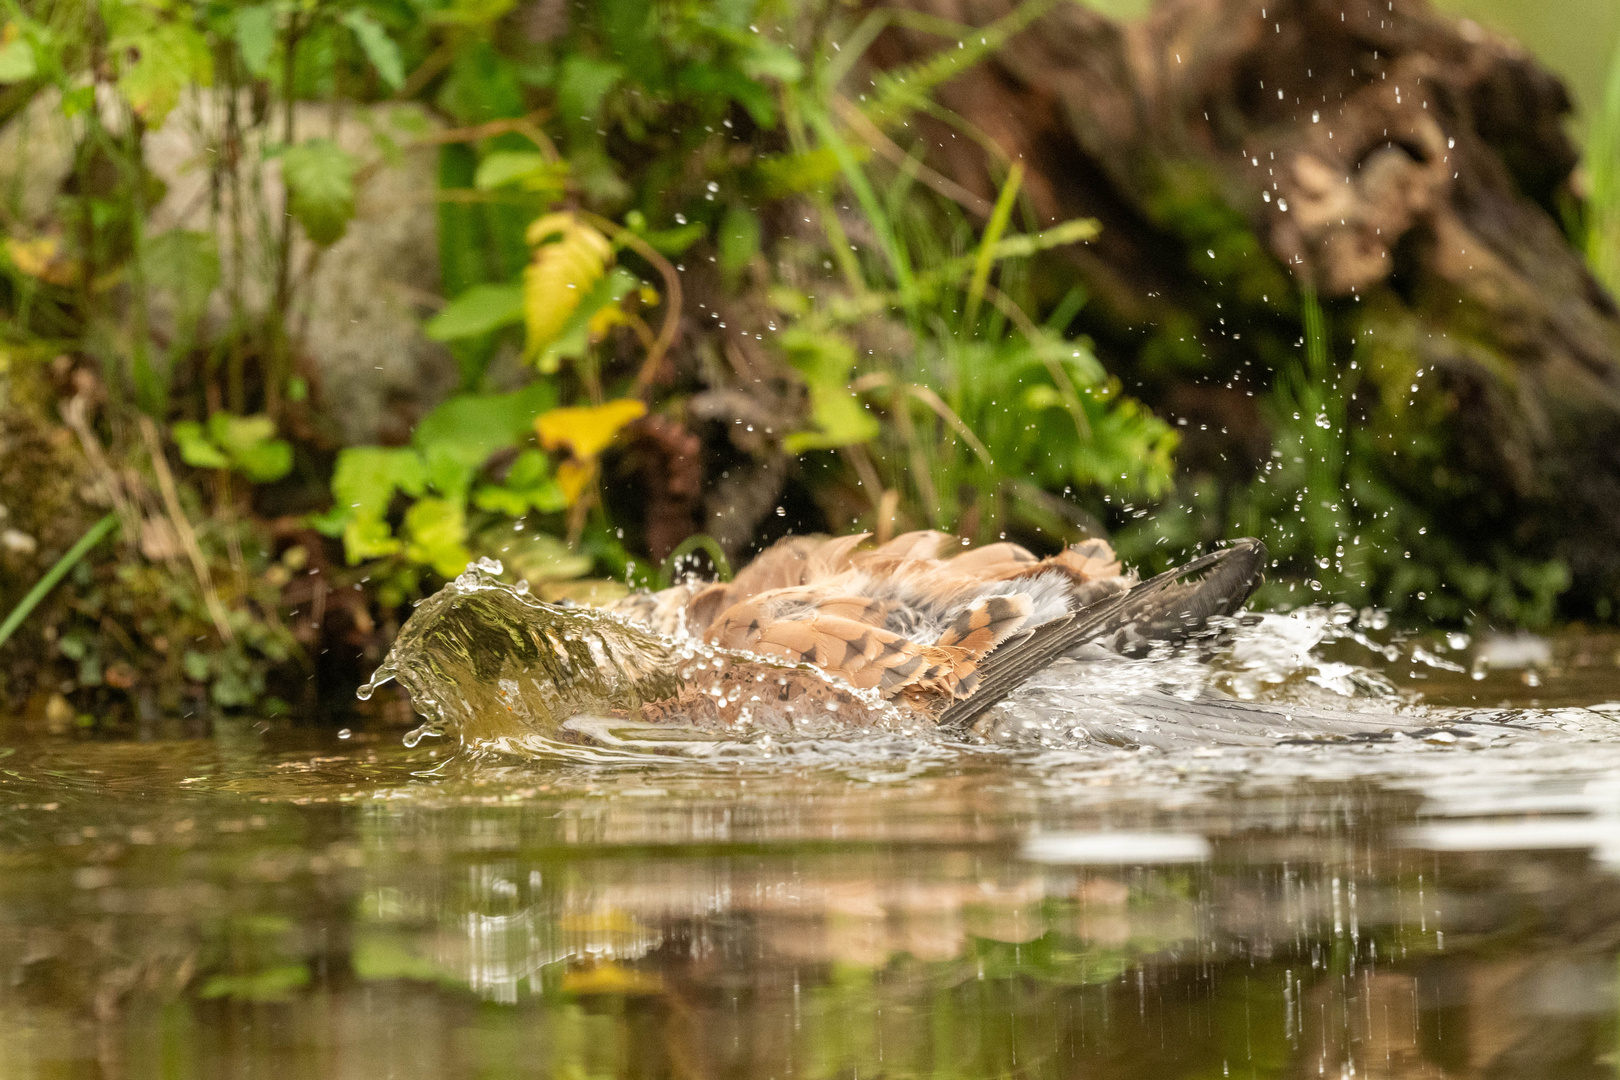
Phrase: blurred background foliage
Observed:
(698, 288)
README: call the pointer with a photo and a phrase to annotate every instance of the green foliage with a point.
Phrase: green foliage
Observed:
(244, 443)
(319, 176)
(1335, 517)
(436, 476)
(1603, 169)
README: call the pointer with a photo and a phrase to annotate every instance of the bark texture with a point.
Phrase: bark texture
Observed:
(1411, 167)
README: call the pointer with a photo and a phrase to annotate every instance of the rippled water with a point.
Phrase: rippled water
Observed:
(1314, 848)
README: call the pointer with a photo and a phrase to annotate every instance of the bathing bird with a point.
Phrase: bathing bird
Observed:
(925, 622)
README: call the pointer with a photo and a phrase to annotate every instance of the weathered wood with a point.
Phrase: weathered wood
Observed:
(1410, 167)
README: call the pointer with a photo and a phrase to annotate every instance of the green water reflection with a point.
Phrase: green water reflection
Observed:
(287, 904)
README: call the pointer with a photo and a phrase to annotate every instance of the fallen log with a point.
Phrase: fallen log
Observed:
(1410, 169)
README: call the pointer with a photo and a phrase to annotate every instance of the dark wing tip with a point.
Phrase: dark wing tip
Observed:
(1169, 607)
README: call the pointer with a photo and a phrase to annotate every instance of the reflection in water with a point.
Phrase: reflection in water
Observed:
(1440, 902)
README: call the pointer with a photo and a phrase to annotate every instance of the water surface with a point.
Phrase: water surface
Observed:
(1332, 877)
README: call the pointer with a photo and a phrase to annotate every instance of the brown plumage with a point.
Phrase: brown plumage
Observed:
(922, 620)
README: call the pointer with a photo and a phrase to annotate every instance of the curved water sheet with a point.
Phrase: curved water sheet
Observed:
(1321, 692)
(505, 673)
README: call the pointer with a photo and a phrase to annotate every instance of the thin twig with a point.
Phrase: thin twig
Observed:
(948, 414)
(182, 528)
(672, 295)
(527, 126)
(1032, 333)
(106, 476)
(888, 148)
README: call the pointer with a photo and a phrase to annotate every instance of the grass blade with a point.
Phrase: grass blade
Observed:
(93, 536)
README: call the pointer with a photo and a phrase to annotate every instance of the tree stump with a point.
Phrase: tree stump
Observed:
(1410, 168)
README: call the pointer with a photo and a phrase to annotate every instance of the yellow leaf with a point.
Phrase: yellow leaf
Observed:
(587, 430)
(605, 319)
(574, 477)
(569, 258)
(611, 978)
(43, 259)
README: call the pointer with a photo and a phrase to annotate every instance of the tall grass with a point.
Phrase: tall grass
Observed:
(1603, 167)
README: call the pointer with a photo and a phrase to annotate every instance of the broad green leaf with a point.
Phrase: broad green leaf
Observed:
(675, 241)
(523, 168)
(378, 46)
(251, 445)
(582, 84)
(771, 60)
(368, 538)
(319, 176)
(254, 29)
(17, 61)
(169, 56)
(195, 448)
(528, 486)
(840, 420)
(436, 535)
(476, 312)
(470, 427)
(363, 484)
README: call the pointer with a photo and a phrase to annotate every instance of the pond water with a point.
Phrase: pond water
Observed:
(1317, 873)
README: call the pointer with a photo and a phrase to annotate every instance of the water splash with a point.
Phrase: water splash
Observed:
(506, 673)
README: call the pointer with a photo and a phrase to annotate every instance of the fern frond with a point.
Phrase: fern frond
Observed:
(898, 93)
(570, 257)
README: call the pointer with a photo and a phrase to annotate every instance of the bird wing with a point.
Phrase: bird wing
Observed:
(868, 656)
(1165, 608)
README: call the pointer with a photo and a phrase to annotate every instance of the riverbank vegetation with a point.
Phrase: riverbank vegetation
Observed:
(700, 275)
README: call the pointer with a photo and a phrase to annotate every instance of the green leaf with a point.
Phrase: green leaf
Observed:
(676, 240)
(789, 174)
(251, 445)
(368, 538)
(840, 420)
(528, 486)
(582, 84)
(169, 56)
(772, 60)
(436, 531)
(826, 361)
(573, 340)
(468, 428)
(195, 449)
(378, 46)
(254, 29)
(738, 240)
(476, 312)
(319, 176)
(522, 168)
(363, 484)
(17, 61)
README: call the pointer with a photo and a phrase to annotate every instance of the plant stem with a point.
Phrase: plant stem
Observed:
(93, 536)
